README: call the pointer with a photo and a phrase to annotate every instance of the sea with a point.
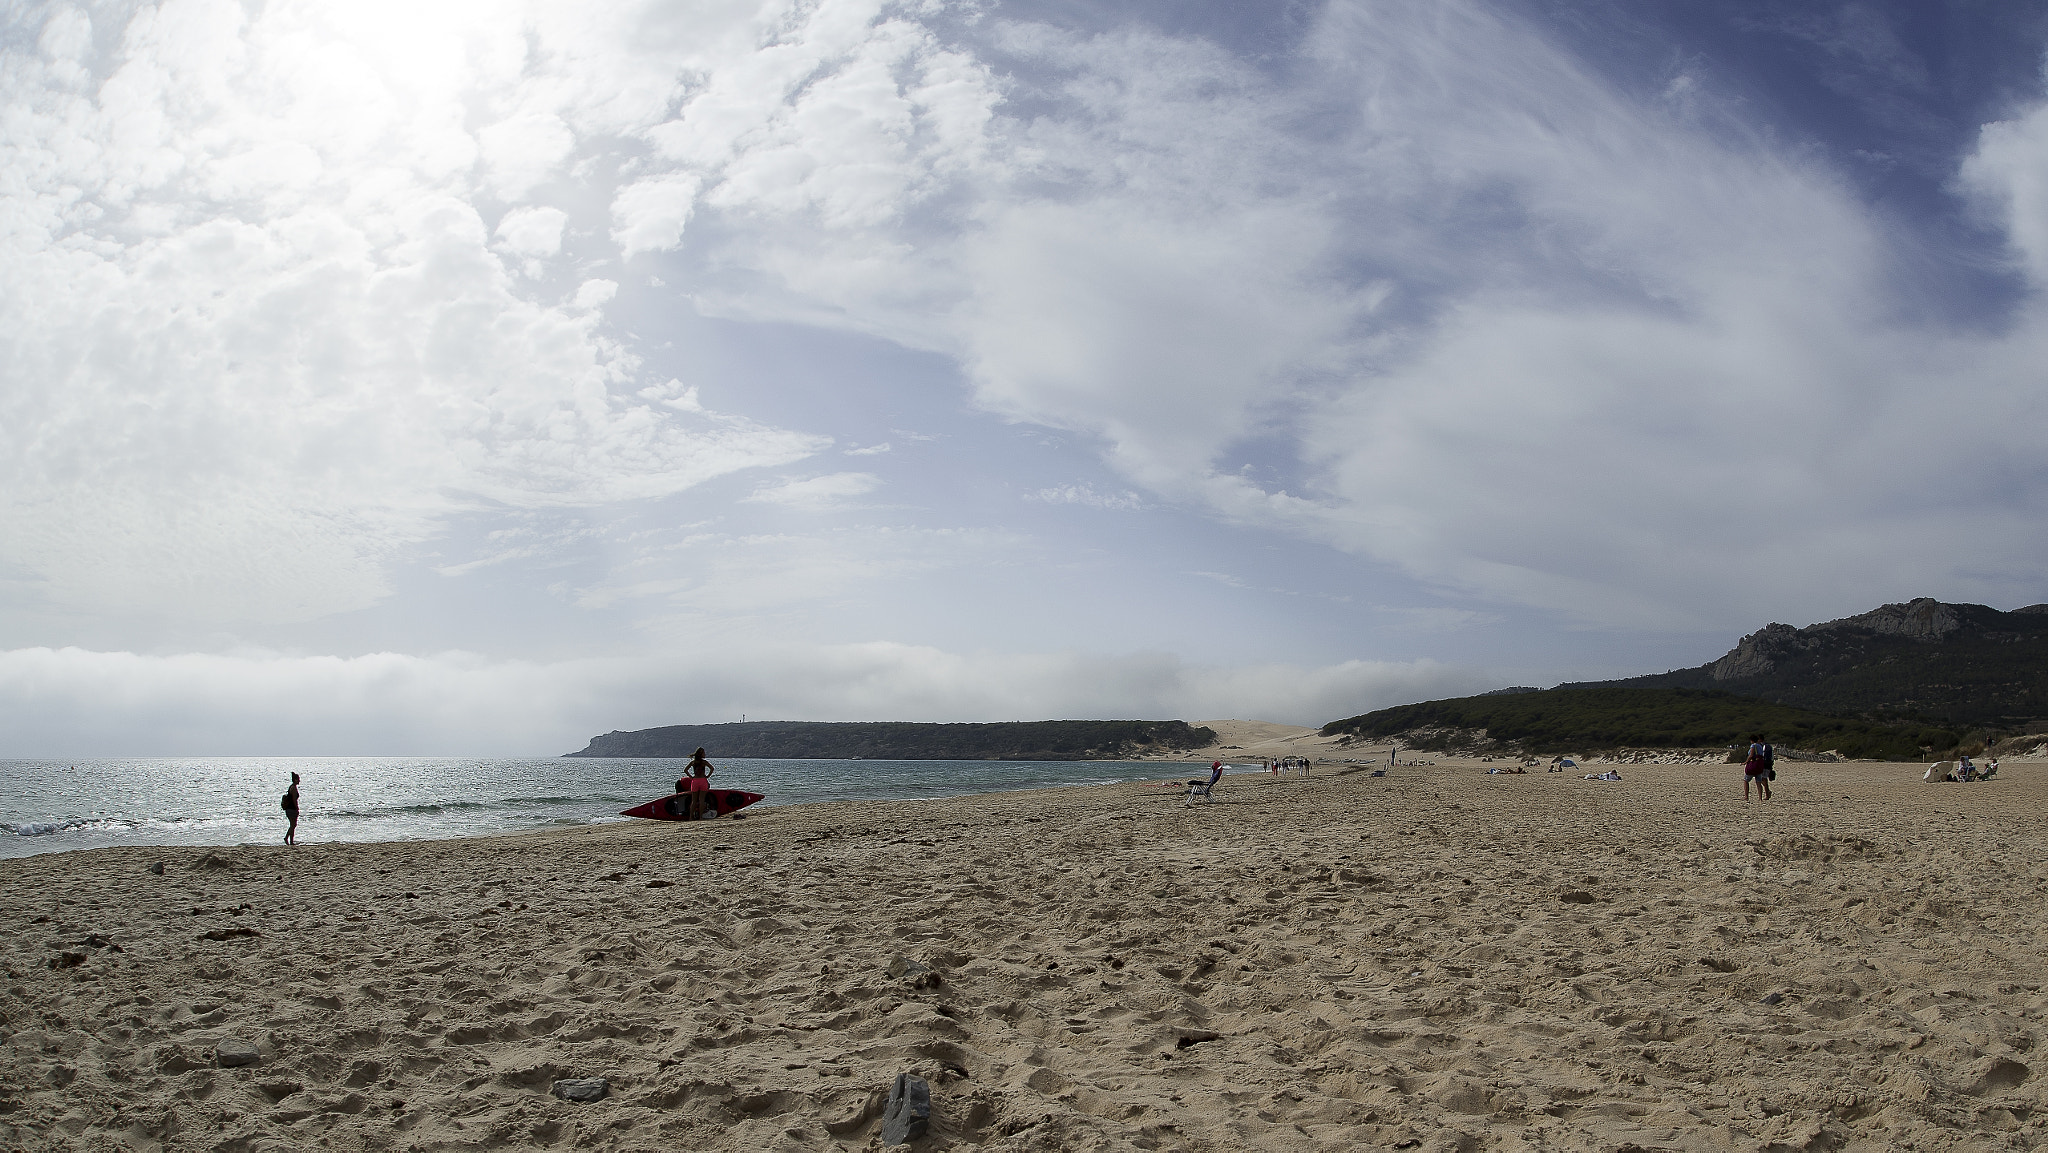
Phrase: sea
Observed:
(64, 806)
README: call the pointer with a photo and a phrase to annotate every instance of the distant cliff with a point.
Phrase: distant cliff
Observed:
(907, 741)
(1589, 720)
(1967, 666)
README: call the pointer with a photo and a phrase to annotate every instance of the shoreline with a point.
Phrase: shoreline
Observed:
(1436, 957)
(601, 810)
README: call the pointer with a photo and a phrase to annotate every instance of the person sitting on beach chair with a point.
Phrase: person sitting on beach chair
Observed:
(1204, 789)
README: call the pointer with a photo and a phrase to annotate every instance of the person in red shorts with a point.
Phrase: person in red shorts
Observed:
(696, 781)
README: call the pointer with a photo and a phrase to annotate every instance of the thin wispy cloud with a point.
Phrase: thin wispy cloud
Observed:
(818, 493)
(1088, 496)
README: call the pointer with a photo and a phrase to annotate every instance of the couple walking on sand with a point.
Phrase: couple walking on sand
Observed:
(1759, 766)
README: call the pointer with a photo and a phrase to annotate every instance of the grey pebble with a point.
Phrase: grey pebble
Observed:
(582, 1089)
(232, 1051)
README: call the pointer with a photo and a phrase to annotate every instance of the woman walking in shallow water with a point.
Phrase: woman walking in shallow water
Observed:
(291, 811)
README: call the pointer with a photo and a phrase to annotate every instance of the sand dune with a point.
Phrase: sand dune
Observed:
(1243, 741)
(1436, 959)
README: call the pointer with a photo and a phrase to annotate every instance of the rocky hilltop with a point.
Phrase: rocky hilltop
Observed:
(1964, 665)
(907, 741)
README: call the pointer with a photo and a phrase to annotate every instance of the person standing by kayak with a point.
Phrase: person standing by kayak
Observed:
(696, 782)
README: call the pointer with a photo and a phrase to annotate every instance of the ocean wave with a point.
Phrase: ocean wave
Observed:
(45, 828)
(428, 807)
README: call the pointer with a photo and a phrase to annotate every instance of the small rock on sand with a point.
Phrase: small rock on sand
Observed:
(582, 1089)
(233, 1051)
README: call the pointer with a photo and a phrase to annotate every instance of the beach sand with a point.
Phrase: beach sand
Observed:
(1437, 959)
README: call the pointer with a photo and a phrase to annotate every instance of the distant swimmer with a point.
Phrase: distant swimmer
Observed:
(290, 803)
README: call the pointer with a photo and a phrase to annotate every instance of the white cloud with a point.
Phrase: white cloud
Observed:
(1088, 497)
(649, 215)
(819, 493)
(523, 150)
(257, 340)
(532, 231)
(2009, 171)
(595, 293)
(76, 703)
(1505, 327)
(1436, 293)
(870, 450)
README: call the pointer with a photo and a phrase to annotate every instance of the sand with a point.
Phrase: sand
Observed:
(1436, 959)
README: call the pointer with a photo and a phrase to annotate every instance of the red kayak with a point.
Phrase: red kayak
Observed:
(714, 802)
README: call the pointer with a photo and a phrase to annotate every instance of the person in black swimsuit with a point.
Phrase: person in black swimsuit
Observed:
(291, 811)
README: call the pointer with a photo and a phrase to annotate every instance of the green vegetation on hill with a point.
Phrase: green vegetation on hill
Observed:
(1580, 719)
(1961, 666)
(907, 741)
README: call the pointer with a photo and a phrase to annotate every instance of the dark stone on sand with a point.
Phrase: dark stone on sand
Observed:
(157, 868)
(233, 1052)
(1577, 897)
(908, 1115)
(582, 1089)
(1772, 998)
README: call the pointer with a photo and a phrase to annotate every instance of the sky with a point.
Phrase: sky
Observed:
(472, 378)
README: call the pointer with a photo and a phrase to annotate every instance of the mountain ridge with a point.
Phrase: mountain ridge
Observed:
(1963, 665)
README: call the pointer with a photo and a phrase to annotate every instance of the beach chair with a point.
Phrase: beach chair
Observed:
(1201, 789)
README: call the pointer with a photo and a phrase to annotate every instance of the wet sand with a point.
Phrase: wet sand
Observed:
(1436, 959)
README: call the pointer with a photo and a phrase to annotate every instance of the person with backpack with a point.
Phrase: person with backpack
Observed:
(1756, 766)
